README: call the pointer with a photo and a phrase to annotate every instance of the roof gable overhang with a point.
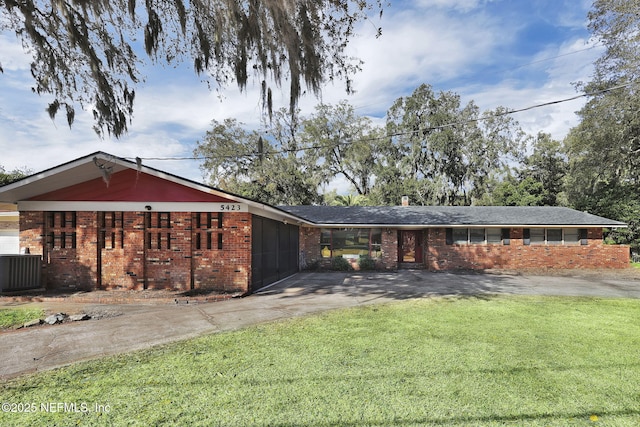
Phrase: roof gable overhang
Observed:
(103, 182)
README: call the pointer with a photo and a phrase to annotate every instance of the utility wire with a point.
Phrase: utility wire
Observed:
(555, 57)
(392, 135)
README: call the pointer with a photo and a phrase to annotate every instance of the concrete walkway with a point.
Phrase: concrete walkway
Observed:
(134, 326)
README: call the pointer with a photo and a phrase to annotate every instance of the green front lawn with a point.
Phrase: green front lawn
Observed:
(10, 317)
(534, 361)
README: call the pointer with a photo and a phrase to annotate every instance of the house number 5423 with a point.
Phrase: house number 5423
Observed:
(229, 207)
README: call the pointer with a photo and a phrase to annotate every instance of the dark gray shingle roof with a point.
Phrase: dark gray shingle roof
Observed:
(449, 216)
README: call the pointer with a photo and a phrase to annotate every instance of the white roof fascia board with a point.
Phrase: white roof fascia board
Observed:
(423, 226)
(275, 214)
(116, 206)
(99, 206)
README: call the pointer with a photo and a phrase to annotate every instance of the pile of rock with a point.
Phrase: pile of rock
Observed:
(57, 318)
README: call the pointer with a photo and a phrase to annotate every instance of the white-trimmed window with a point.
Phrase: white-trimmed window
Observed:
(351, 242)
(477, 236)
(537, 236)
(460, 236)
(495, 235)
(555, 236)
(572, 236)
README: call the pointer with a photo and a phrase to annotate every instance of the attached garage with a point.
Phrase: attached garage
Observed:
(274, 251)
(103, 222)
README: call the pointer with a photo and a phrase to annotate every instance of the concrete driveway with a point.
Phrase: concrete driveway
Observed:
(135, 326)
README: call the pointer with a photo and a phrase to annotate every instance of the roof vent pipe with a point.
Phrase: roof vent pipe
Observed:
(405, 200)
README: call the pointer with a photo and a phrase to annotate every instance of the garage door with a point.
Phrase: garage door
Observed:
(9, 242)
(274, 251)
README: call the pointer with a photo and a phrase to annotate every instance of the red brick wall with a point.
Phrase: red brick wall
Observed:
(389, 246)
(168, 264)
(310, 245)
(518, 256)
(68, 252)
(440, 256)
(228, 269)
(121, 239)
(138, 250)
(32, 231)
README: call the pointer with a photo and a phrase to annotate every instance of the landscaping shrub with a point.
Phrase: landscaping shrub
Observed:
(340, 264)
(366, 263)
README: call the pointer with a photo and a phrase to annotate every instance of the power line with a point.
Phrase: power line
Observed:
(509, 69)
(425, 130)
(555, 57)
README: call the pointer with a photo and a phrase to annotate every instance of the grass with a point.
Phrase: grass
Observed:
(11, 317)
(535, 361)
(635, 264)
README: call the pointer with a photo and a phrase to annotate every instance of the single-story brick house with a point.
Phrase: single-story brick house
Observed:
(104, 222)
(460, 237)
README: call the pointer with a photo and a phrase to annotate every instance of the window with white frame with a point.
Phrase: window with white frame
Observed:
(351, 242)
(460, 236)
(495, 235)
(555, 236)
(571, 236)
(476, 236)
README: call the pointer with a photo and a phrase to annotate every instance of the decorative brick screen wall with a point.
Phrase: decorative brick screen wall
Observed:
(140, 250)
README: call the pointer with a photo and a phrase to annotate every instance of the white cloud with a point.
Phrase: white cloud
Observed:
(13, 56)
(462, 5)
(561, 65)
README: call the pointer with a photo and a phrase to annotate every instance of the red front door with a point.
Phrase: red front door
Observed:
(410, 246)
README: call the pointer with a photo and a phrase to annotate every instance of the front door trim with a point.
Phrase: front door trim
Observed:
(410, 246)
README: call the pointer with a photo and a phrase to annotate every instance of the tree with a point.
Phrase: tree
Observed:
(604, 149)
(86, 52)
(616, 24)
(435, 151)
(341, 143)
(439, 153)
(494, 151)
(12, 176)
(547, 165)
(258, 165)
(607, 141)
(536, 181)
(512, 191)
(332, 198)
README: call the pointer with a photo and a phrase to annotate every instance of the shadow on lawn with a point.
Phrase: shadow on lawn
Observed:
(399, 285)
(520, 419)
